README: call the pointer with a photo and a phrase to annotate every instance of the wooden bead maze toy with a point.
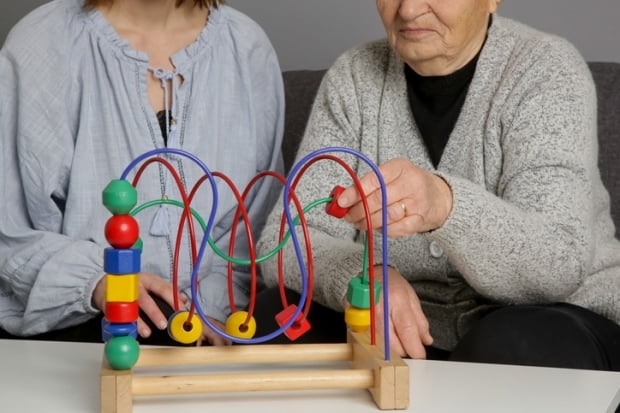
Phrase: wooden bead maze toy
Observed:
(372, 365)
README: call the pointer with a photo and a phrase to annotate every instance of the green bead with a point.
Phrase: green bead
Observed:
(138, 245)
(119, 197)
(358, 293)
(122, 352)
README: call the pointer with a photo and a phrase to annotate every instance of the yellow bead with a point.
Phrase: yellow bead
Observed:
(122, 288)
(357, 318)
(236, 327)
(183, 331)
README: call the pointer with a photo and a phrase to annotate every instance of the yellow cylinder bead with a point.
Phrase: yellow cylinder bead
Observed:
(183, 330)
(358, 319)
(236, 326)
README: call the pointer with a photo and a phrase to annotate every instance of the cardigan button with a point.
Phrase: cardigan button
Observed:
(435, 250)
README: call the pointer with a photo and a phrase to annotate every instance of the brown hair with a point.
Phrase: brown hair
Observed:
(200, 3)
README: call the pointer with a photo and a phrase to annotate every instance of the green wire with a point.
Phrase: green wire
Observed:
(366, 260)
(210, 240)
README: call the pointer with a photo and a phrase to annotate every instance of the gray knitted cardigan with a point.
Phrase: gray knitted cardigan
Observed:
(530, 220)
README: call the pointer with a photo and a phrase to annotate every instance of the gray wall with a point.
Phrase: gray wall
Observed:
(311, 34)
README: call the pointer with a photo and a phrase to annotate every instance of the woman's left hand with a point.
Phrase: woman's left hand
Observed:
(417, 200)
(409, 328)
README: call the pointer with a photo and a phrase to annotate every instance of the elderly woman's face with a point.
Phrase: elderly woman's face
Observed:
(436, 37)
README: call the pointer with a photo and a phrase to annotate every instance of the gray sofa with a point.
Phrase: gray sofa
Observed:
(301, 86)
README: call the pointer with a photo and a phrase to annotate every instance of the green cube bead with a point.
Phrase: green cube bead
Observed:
(358, 293)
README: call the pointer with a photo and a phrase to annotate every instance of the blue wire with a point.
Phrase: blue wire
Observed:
(290, 222)
(202, 249)
(289, 219)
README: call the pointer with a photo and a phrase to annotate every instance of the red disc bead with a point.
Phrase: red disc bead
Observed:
(122, 231)
(119, 312)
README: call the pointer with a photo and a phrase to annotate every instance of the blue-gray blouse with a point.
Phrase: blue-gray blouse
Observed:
(74, 113)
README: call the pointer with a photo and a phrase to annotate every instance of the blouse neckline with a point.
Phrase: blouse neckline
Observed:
(180, 58)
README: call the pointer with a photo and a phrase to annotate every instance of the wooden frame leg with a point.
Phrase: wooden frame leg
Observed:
(391, 389)
(116, 392)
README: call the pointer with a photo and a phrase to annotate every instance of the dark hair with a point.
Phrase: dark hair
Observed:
(200, 3)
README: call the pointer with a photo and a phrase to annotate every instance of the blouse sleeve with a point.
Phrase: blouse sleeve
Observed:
(46, 278)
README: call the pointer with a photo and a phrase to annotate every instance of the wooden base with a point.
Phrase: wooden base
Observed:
(387, 381)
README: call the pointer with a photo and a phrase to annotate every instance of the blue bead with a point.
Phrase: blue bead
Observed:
(121, 261)
(110, 330)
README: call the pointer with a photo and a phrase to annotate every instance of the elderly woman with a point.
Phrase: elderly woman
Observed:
(89, 85)
(501, 243)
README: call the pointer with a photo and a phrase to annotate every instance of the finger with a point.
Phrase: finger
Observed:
(395, 344)
(158, 286)
(211, 337)
(422, 324)
(143, 329)
(152, 310)
(409, 336)
(351, 195)
(374, 199)
(408, 225)
(395, 213)
(395, 188)
(217, 340)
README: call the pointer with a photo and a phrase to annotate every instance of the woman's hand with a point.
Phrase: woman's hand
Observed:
(409, 329)
(150, 284)
(417, 200)
(211, 337)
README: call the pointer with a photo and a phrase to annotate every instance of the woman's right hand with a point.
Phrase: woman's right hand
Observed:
(150, 284)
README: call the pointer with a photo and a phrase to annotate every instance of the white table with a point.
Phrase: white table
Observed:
(53, 377)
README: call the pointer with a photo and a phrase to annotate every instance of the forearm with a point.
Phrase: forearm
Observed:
(511, 253)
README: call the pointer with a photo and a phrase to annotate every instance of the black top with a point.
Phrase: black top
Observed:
(436, 102)
(161, 118)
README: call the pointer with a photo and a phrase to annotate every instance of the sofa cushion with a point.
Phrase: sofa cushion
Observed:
(300, 87)
(607, 79)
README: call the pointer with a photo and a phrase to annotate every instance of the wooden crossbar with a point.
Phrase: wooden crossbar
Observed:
(387, 381)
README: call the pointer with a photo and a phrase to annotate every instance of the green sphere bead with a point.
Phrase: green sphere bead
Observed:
(358, 293)
(119, 197)
(122, 352)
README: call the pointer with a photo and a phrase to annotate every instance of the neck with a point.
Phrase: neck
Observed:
(154, 15)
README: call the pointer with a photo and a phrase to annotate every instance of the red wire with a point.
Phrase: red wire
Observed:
(186, 210)
(241, 209)
(371, 278)
(244, 196)
(309, 259)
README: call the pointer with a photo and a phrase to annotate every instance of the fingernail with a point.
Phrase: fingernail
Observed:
(343, 201)
(163, 324)
(145, 332)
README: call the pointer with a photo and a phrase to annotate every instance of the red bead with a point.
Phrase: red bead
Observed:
(117, 312)
(332, 207)
(299, 326)
(122, 231)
